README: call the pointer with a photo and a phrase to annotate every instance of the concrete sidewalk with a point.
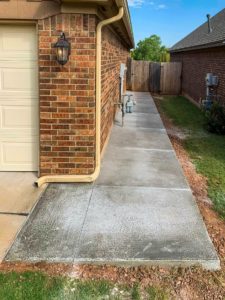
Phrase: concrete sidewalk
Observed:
(140, 210)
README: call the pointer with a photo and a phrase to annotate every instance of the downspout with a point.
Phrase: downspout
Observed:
(95, 174)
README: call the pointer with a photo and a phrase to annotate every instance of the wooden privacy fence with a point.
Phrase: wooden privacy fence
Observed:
(163, 78)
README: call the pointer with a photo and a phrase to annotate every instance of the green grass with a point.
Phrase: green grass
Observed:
(156, 294)
(37, 286)
(136, 292)
(205, 149)
(183, 113)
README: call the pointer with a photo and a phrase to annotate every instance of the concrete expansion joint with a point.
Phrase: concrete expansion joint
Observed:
(83, 223)
(149, 128)
(144, 113)
(148, 149)
(146, 187)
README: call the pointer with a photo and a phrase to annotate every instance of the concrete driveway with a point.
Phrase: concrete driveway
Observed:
(140, 210)
(18, 195)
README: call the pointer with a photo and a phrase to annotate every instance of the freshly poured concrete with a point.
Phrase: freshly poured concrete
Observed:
(134, 164)
(148, 224)
(139, 211)
(9, 226)
(56, 225)
(143, 120)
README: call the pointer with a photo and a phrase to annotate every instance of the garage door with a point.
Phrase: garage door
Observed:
(18, 99)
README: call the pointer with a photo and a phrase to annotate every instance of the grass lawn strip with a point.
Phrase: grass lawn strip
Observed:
(206, 150)
(38, 286)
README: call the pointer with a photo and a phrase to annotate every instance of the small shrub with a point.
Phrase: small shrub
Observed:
(215, 119)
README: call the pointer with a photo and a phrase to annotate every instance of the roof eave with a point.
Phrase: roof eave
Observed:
(127, 20)
(109, 4)
(199, 47)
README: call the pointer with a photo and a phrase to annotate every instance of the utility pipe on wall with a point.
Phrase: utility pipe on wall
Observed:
(95, 174)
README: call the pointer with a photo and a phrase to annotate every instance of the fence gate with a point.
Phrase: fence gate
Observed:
(154, 77)
(163, 78)
(139, 75)
(170, 78)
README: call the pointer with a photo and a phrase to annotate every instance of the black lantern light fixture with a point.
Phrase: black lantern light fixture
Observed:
(62, 49)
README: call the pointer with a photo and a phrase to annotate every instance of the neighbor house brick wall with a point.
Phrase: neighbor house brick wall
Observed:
(114, 52)
(195, 66)
(67, 96)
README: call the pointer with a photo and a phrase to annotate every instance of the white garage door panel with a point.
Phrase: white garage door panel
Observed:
(13, 41)
(15, 117)
(18, 79)
(20, 154)
(18, 42)
(18, 99)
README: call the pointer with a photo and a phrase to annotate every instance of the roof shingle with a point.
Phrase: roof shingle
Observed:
(201, 38)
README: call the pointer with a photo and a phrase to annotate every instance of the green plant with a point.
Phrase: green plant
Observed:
(215, 119)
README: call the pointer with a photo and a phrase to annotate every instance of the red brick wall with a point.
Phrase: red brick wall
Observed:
(67, 94)
(195, 66)
(113, 54)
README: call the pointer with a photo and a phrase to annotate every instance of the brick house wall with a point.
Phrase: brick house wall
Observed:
(113, 54)
(67, 93)
(195, 65)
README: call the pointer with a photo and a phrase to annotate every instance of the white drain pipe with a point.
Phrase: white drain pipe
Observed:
(95, 174)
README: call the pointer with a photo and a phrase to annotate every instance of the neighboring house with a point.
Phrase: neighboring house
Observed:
(47, 110)
(201, 52)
